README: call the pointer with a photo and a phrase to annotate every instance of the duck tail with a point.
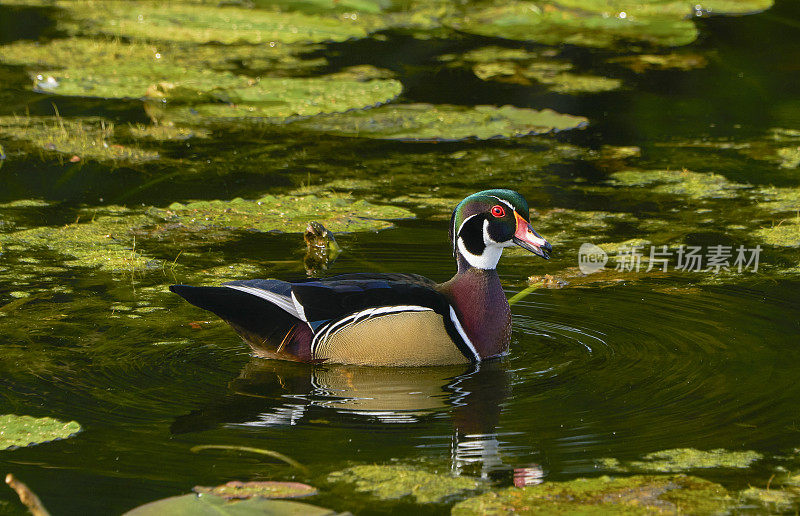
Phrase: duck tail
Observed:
(269, 330)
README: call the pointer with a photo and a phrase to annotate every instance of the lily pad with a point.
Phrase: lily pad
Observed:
(206, 504)
(427, 122)
(203, 23)
(236, 490)
(597, 23)
(339, 213)
(143, 58)
(282, 98)
(392, 482)
(86, 138)
(695, 185)
(20, 431)
(219, 94)
(678, 494)
(684, 459)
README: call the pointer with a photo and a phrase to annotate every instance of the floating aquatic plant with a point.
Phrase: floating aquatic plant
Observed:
(236, 490)
(685, 459)
(677, 494)
(596, 23)
(392, 482)
(74, 139)
(20, 431)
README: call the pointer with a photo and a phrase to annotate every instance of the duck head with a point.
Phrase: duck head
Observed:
(486, 222)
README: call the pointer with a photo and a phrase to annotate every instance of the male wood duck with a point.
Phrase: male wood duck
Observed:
(389, 319)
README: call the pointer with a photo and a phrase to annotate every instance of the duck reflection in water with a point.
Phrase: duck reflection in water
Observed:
(270, 393)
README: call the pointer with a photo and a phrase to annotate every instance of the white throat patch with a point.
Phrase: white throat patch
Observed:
(491, 253)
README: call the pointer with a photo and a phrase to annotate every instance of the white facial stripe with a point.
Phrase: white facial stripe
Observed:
(504, 202)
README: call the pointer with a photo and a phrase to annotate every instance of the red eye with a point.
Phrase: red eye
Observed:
(498, 211)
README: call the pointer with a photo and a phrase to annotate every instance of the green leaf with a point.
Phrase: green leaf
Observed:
(21, 431)
(202, 505)
(426, 122)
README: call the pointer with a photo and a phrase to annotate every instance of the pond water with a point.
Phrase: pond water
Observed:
(616, 364)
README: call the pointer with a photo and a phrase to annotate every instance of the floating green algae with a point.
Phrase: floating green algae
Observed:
(392, 482)
(596, 23)
(695, 185)
(287, 213)
(427, 122)
(105, 242)
(776, 501)
(785, 233)
(281, 98)
(237, 490)
(641, 63)
(21, 431)
(210, 505)
(202, 23)
(779, 200)
(108, 237)
(677, 494)
(86, 138)
(162, 133)
(139, 56)
(521, 67)
(684, 459)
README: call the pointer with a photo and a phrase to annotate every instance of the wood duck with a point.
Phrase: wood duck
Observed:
(389, 319)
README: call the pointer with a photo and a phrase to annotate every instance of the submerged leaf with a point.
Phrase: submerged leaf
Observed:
(21, 431)
(521, 67)
(427, 122)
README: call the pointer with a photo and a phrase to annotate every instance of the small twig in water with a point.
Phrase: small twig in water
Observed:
(288, 460)
(26, 496)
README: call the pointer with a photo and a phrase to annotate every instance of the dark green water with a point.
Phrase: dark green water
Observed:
(609, 369)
